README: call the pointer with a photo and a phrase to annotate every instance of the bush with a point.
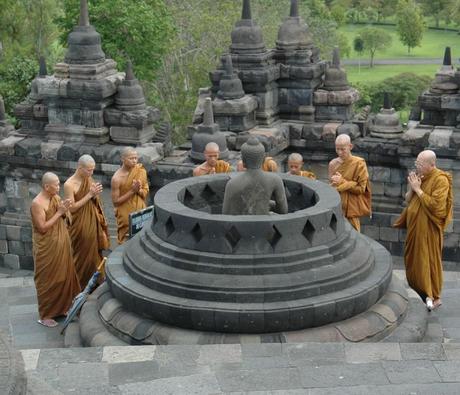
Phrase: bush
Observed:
(16, 74)
(404, 89)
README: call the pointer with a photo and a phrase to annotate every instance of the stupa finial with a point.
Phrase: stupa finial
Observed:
(246, 14)
(208, 116)
(228, 65)
(294, 9)
(84, 15)
(336, 58)
(447, 57)
(129, 71)
(386, 101)
(42, 71)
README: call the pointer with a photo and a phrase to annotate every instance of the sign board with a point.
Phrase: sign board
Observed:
(138, 219)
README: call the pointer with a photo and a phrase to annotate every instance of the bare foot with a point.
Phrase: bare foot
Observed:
(48, 322)
(437, 303)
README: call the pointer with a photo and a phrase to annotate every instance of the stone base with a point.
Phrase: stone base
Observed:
(77, 134)
(13, 378)
(130, 135)
(104, 321)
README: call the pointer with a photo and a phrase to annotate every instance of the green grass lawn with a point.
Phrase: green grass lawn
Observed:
(380, 72)
(433, 44)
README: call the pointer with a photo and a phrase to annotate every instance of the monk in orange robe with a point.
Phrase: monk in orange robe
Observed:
(269, 165)
(55, 278)
(429, 210)
(89, 230)
(295, 164)
(212, 165)
(348, 175)
(130, 190)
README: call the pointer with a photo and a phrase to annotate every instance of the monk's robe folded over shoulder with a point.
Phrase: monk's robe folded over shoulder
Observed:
(55, 278)
(308, 174)
(425, 219)
(89, 234)
(223, 167)
(355, 189)
(135, 203)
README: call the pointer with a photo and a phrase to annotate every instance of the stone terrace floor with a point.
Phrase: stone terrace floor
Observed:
(431, 367)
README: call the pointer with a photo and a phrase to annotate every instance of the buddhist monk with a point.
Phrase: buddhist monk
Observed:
(269, 165)
(429, 210)
(212, 165)
(348, 175)
(295, 164)
(130, 190)
(88, 232)
(55, 278)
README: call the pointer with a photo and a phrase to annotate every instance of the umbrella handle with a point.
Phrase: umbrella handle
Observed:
(101, 265)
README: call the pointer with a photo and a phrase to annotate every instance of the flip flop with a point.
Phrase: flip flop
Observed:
(49, 323)
(437, 303)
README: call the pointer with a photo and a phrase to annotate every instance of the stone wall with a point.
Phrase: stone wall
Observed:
(19, 184)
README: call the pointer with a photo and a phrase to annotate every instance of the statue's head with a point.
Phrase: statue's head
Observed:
(253, 153)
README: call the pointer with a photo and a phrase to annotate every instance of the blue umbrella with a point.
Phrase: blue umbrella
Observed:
(80, 299)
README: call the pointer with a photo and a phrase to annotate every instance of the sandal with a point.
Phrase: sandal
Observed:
(48, 322)
(437, 303)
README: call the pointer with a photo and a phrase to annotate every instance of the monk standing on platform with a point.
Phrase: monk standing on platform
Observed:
(295, 164)
(130, 190)
(55, 278)
(212, 165)
(429, 210)
(88, 232)
(348, 175)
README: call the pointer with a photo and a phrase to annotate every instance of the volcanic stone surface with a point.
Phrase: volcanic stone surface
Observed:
(198, 269)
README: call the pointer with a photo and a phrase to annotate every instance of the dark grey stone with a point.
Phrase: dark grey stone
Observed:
(411, 372)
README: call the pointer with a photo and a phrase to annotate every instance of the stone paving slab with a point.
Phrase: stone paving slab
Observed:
(238, 369)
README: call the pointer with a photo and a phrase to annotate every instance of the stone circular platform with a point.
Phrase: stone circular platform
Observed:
(197, 269)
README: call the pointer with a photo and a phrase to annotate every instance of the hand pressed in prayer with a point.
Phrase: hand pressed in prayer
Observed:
(64, 206)
(336, 178)
(414, 181)
(96, 189)
(136, 186)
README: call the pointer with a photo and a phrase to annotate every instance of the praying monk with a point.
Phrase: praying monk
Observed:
(212, 165)
(348, 175)
(89, 231)
(130, 190)
(295, 164)
(55, 278)
(429, 210)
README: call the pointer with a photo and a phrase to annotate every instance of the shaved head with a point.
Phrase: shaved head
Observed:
(212, 147)
(128, 151)
(295, 158)
(427, 156)
(86, 160)
(343, 139)
(49, 178)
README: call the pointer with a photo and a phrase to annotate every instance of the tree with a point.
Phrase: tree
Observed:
(358, 46)
(409, 23)
(374, 40)
(138, 30)
(435, 8)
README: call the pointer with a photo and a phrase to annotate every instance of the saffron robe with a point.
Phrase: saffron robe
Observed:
(89, 234)
(425, 219)
(221, 167)
(55, 278)
(354, 190)
(135, 203)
